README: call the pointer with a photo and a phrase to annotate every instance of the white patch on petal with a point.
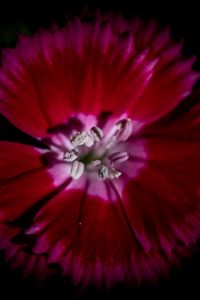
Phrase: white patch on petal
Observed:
(60, 172)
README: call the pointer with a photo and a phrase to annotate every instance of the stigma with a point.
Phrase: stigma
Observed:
(93, 151)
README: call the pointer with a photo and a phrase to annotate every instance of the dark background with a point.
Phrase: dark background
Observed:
(26, 18)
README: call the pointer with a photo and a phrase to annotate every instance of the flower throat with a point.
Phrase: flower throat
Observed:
(92, 151)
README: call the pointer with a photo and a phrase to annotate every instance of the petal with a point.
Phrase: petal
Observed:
(168, 77)
(17, 257)
(92, 240)
(60, 72)
(163, 201)
(19, 99)
(22, 193)
(24, 179)
(38, 74)
(16, 159)
(165, 91)
(182, 124)
(167, 214)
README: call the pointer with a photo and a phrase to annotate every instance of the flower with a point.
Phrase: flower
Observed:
(114, 194)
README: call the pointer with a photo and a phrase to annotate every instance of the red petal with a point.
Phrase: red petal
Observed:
(22, 177)
(89, 68)
(20, 102)
(181, 125)
(16, 159)
(93, 242)
(22, 192)
(164, 93)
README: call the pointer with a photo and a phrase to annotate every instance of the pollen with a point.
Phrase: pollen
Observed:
(103, 172)
(70, 156)
(82, 138)
(106, 173)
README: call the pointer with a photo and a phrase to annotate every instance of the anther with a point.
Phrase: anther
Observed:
(118, 157)
(77, 169)
(94, 160)
(71, 155)
(103, 172)
(106, 173)
(82, 138)
(125, 129)
(96, 133)
(113, 173)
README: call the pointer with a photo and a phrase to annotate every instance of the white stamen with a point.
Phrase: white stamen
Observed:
(118, 157)
(71, 155)
(114, 174)
(106, 173)
(125, 129)
(97, 162)
(82, 138)
(77, 169)
(111, 142)
(96, 133)
(103, 172)
(93, 164)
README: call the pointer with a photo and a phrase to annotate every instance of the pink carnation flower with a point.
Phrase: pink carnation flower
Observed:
(114, 195)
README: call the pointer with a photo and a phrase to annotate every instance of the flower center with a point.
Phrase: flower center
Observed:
(92, 151)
